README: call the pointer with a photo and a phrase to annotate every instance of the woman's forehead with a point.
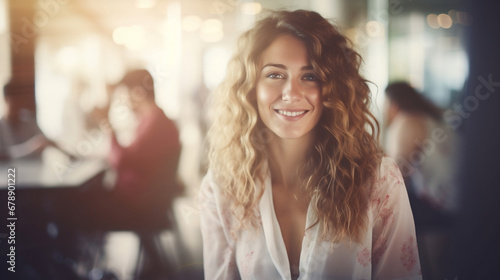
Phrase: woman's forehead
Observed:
(285, 49)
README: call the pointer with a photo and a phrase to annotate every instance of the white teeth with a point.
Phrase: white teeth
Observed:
(290, 114)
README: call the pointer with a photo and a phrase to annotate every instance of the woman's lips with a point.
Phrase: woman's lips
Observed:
(291, 114)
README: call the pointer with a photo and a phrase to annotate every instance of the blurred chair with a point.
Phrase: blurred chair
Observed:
(149, 219)
(82, 217)
(152, 261)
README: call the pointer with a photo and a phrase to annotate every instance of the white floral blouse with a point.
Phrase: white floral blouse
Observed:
(388, 250)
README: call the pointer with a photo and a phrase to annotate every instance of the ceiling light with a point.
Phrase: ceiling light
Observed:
(145, 4)
(251, 8)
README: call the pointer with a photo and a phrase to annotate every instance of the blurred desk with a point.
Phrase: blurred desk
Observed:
(50, 189)
(51, 195)
(39, 173)
(62, 212)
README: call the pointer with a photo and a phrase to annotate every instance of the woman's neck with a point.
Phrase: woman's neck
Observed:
(285, 158)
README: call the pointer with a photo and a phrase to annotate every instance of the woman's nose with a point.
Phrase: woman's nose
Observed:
(291, 91)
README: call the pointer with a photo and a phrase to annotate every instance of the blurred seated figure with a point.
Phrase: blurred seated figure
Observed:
(140, 200)
(20, 135)
(423, 147)
(150, 161)
(146, 173)
(146, 169)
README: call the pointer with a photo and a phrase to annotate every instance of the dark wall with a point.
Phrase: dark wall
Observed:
(476, 250)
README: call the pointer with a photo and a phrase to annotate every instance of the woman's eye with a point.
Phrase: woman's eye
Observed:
(275, 76)
(310, 77)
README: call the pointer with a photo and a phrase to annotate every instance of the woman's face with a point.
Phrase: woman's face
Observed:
(288, 92)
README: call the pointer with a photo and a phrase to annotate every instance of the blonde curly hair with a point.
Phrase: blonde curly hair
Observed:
(338, 173)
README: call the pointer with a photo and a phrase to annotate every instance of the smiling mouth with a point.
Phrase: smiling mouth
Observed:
(291, 113)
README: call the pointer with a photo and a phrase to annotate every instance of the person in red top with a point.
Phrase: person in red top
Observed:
(146, 172)
(148, 165)
(146, 169)
(145, 186)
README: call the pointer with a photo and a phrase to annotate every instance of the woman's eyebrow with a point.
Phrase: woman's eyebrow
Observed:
(275, 65)
(281, 66)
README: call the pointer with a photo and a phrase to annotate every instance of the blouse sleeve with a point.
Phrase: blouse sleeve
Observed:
(218, 246)
(394, 253)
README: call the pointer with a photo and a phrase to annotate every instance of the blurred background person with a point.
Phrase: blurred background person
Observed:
(149, 163)
(424, 148)
(20, 136)
(146, 183)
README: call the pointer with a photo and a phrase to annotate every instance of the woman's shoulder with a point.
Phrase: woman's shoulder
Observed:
(208, 185)
(212, 190)
(210, 196)
(389, 173)
(387, 180)
(387, 165)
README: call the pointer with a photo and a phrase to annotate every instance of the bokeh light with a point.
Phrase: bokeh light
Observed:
(444, 21)
(374, 29)
(191, 23)
(432, 20)
(251, 8)
(211, 30)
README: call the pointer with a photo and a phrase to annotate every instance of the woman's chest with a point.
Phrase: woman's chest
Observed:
(291, 215)
(292, 221)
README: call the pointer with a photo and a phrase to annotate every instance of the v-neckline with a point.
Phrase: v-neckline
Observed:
(272, 232)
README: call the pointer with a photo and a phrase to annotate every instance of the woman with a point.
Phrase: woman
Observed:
(297, 187)
(423, 147)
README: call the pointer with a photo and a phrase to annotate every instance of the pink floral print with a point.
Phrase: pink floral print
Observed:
(408, 256)
(364, 257)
